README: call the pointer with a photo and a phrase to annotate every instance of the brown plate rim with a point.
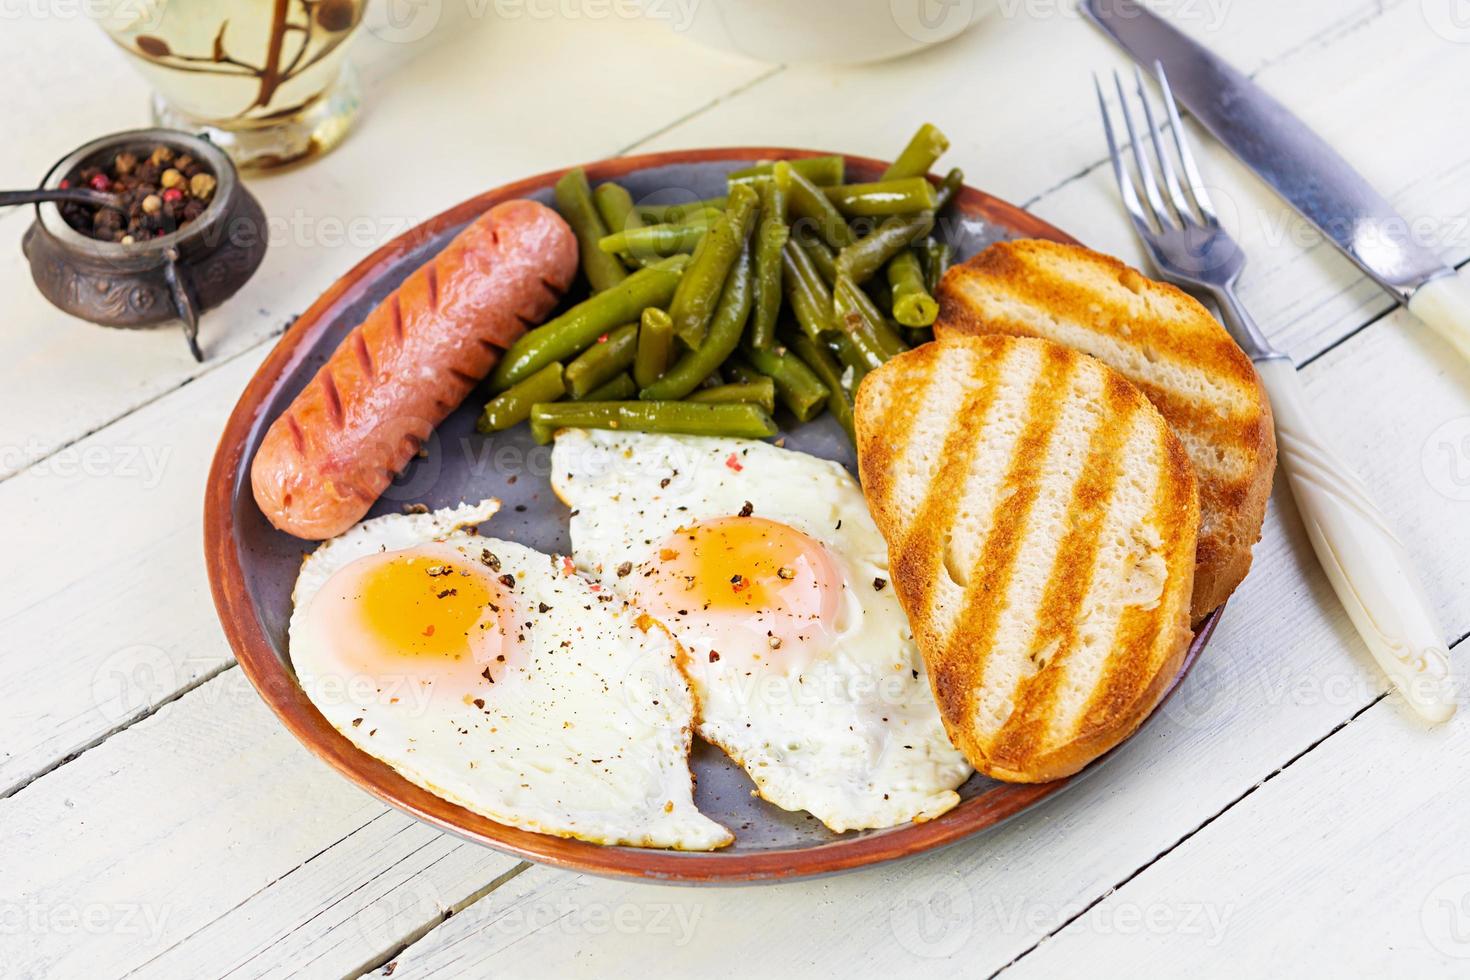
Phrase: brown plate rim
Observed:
(279, 690)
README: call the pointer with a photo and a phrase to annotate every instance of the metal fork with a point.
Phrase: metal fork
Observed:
(1367, 566)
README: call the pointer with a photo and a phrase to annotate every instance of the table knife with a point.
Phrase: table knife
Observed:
(1298, 165)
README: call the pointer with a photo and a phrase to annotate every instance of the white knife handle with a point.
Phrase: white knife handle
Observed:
(1444, 304)
(1366, 564)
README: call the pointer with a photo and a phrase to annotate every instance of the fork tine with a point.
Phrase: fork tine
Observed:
(1191, 169)
(1145, 169)
(1166, 165)
(1120, 171)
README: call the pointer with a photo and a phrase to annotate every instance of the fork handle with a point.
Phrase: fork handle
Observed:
(1364, 560)
(1444, 304)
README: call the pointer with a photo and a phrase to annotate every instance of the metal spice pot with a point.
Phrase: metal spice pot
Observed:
(176, 276)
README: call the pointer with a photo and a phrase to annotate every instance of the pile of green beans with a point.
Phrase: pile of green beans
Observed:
(705, 316)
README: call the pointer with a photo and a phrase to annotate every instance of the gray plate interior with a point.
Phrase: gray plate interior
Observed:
(462, 465)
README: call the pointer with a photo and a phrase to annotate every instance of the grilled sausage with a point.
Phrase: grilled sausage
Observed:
(400, 372)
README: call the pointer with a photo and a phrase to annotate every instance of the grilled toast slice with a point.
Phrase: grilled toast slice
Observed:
(1040, 519)
(1170, 347)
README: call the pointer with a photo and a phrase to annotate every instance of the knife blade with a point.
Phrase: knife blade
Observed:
(1297, 163)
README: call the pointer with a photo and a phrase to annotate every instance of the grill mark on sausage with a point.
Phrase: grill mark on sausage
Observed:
(464, 377)
(431, 283)
(332, 395)
(298, 438)
(552, 289)
(364, 356)
(489, 345)
(395, 316)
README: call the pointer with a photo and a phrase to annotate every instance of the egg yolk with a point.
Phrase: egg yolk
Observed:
(421, 613)
(745, 590)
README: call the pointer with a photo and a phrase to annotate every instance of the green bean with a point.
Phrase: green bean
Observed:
(621, 388)
(851, 357)
(855, 313)
(912, 304)
(739, 370)
(660, 240)
(741, 419)
(699, 290)
(948, 188)
(655, 346)
(609, 357)
(926, 146)
(812, 208)
(514, 404)
(725, 329)
(655, 213)
(569, 333)
(771, 236)
(574, 201)
(818, 170)
(821, 256)
(615, 207)
(810, 299)
(936, 258)
(907, 196)
(760, 392)
(829, 372)
(798, 388)
(862, 260)
(712, 380)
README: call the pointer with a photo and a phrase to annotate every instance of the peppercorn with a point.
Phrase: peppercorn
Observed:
(152, 204)
(172, 194)
(202, 186)
(124, 163)
(161, 155)
(171, 178)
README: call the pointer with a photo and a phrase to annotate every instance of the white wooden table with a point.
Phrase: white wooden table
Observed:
(1283, 816)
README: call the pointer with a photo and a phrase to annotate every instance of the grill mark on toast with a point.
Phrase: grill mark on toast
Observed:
(1069, 583)
(971, 639)
(917, 559)
(879, 459)
(1134, 681)
(1079, 300)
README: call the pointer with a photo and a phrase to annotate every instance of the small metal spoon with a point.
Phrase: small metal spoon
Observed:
(81, 195)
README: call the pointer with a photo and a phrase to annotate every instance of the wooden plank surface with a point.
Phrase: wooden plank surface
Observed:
(302, 872)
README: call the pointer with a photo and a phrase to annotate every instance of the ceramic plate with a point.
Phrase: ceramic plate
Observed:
(252, 566)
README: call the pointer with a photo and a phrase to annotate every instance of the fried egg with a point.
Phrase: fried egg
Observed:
(767, 568)
(495, 677)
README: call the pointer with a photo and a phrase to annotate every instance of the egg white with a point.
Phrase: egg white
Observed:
(588, 738)
(853, 736)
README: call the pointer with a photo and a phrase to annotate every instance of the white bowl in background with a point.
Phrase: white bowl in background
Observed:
(823, 31)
